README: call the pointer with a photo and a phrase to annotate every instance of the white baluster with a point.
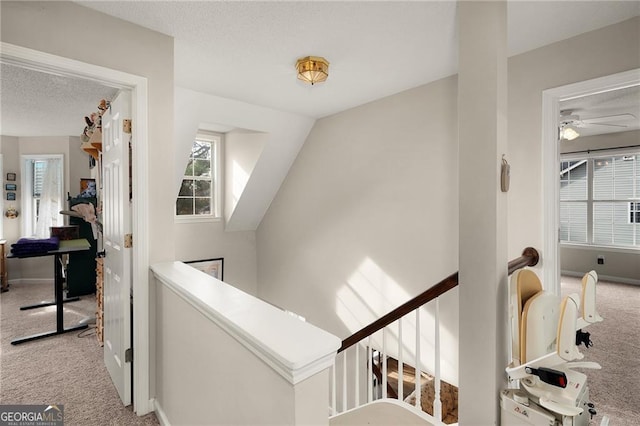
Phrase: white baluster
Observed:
(418, 385)
(357, 375)
(437, 404)
(344, 380)
(333, 388)
(400, 363)
(384, 362)
(369, 371)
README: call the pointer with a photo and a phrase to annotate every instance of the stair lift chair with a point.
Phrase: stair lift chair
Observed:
(545, 332)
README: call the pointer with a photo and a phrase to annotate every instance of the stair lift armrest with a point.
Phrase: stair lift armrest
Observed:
(549, 360)
(589, 313)
(563, 409)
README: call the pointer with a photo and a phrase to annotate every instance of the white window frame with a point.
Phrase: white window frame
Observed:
(634, 211)
(216, 140)
(590, 155)
(26, 191)
(585, 201)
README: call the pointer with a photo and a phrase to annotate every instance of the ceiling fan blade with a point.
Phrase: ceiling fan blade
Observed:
(608, 119)
(603, 124)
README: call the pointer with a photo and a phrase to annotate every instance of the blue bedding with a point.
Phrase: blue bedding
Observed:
(27, 246)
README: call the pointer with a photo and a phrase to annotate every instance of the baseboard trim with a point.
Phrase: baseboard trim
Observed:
(31, 281)
(603, 277)
(160, 414)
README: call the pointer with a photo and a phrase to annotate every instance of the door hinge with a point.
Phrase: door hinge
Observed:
(126, 125)
(128, 240)
(128, 355)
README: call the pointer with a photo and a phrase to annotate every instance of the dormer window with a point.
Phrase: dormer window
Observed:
(199, 193)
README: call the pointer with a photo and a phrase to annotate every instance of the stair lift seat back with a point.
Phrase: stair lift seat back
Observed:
(523, 285)
(539, 325)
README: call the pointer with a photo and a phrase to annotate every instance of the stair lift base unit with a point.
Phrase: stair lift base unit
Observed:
(518, 408)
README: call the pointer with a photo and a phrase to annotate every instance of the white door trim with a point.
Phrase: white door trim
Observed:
(45, 62)
(551, 162)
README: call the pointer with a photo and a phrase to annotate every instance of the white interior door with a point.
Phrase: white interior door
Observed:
(117, 261)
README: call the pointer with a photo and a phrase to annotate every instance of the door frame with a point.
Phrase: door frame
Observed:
(551, 99)
(53, 64)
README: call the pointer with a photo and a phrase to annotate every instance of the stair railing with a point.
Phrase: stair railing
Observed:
(529, 257)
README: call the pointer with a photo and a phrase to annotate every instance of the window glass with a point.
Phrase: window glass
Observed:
(610, 212)
(198, 195)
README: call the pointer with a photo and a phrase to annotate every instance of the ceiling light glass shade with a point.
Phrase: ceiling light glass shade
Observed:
(312, 69)
(569, 134)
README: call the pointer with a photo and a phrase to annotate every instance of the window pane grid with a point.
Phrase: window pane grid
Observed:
(196, 196)
(614, 217)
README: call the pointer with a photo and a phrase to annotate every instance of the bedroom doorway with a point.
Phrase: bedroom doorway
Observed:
(551, 120)
(57, 65)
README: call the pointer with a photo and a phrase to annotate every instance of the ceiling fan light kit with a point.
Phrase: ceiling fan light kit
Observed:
(568, 133)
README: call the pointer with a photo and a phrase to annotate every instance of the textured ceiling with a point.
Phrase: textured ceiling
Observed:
(247, 50)
(38, 104)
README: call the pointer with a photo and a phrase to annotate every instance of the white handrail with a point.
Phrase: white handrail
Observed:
(235, 312)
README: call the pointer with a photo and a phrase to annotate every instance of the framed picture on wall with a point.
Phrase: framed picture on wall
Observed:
(11, 176)
(10, 186)
(88, 187)
(211, 267)
(11, 196)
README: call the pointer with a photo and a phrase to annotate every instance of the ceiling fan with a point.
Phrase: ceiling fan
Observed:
(569, 122)
(568, 118)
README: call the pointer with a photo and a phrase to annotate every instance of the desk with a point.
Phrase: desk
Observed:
(68, 246)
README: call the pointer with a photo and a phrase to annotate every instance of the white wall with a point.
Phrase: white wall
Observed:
(594, 54)
(371, 200)
(78, 166)
(242, 150)
(358, 227)
(606, 141)
(11, 164)
(195, 241)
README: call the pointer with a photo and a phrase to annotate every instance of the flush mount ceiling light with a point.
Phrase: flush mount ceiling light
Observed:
(568, 133)
(312, 69)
